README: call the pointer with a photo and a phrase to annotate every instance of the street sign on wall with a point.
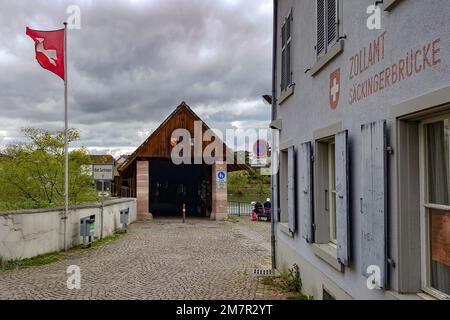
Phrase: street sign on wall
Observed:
(103, 171)
(221, 179)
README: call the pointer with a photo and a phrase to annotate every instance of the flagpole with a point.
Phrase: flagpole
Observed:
(66, 142)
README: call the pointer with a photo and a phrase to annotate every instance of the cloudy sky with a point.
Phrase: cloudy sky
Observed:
(132, 62)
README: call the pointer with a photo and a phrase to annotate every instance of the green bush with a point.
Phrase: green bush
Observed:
(292, 282)
(32, 173)
(247, 186)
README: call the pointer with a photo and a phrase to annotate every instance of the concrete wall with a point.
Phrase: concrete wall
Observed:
(411, 25)
(25, 234)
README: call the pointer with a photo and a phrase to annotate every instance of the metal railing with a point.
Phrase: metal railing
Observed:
(121, 191)
(239, 208)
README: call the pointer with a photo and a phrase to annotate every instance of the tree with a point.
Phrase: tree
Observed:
(32, 173)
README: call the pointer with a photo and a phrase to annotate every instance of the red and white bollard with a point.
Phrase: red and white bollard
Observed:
(254, 216)
(184, 212)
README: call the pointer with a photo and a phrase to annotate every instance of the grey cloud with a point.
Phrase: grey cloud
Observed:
(132, 63)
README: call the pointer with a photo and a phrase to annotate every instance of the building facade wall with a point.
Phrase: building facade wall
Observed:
(412, 26)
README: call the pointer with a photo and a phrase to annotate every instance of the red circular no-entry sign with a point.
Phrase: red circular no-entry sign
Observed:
(261, 148)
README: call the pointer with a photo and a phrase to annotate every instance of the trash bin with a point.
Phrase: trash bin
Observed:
(87, 230)
(125, 218)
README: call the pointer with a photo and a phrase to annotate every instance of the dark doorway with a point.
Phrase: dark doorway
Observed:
(172, 185)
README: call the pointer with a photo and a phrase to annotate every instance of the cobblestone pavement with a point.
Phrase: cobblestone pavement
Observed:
(159, 259)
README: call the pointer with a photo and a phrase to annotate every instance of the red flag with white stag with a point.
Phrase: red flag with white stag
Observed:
(49, 46)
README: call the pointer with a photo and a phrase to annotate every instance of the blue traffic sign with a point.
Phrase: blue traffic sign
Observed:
(221, 175)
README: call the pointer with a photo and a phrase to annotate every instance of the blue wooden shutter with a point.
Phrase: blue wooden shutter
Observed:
(320, 46)
(374, 199)
(332, 22)
(283, 57)
(291, 189)
(305, 190)
(342, 198)
(289, 49)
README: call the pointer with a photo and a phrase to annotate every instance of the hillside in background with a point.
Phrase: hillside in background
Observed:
(248, 186)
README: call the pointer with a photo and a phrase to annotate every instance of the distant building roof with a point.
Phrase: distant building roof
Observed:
(104, 158)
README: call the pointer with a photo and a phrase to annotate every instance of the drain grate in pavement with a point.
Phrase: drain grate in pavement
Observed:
(262, 272)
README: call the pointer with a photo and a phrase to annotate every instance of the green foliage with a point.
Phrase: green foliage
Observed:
(233, 219)
(247, 186)
(31, 262)
(289, 281)
(292, 282)
(300, 297)
(106, 240)
(32, 173)
(237, 181)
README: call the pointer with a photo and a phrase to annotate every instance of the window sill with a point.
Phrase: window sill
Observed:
(328, 253)
(286, 94)
(432, 294)
(323, 61)
(283, 227)
(390, 4)
(426, 296)
(394, 295)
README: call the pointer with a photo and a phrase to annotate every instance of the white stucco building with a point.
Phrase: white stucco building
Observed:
(364, 119)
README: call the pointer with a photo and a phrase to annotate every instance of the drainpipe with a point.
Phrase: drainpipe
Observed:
(274, 117)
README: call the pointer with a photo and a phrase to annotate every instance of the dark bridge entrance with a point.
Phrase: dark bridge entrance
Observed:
(161, 187)
(172, 185)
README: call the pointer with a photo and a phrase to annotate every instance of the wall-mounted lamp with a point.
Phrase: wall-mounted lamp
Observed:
(276, 125)
(267, 99)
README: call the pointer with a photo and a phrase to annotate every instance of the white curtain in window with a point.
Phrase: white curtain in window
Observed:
(438, 193)
(438, 163)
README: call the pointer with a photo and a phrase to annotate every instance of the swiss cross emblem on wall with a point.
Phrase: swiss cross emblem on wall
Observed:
(335, 88)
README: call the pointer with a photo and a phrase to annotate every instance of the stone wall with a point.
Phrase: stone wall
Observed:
(142, 189)
(219, 194)
(25, 234)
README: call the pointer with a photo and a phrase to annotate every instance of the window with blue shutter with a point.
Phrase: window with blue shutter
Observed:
(332, 22)
(286, 55)
(327, 25)
(305, 191)
(342, 198)
(291, 190)
(373, 202)
(320, 46)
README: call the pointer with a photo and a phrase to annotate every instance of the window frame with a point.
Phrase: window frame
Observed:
(332, 50)
(332, 190)
(327, 45)
(286, 75)
(321, 246)
(283, 187)
(327, 144)
(425, 207)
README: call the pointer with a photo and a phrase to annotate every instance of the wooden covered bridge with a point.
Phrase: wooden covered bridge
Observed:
(162, 187)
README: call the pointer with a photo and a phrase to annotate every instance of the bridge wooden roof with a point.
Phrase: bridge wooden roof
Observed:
(157, 145)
